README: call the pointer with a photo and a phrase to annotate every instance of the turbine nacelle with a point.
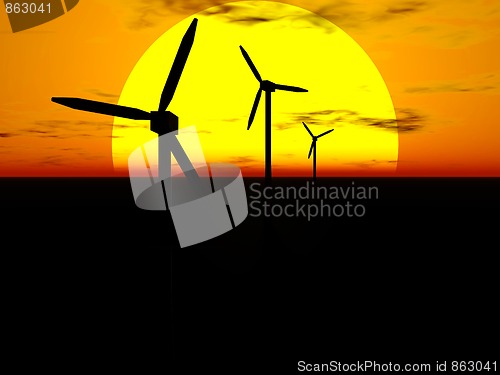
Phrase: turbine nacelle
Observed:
(268, 86)
(163, 122)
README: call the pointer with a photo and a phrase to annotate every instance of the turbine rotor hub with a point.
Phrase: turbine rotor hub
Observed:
(163, 122)
(268, 86)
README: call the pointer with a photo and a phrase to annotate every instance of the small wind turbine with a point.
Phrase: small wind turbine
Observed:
(313, 147)
(161, 121)
(269, 87)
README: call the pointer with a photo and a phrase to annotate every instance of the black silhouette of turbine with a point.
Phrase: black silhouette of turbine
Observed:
(312, 149)
(161, 121)
(269, 87)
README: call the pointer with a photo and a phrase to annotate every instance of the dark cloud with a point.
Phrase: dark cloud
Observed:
(65, 124)
(288, 155)
(406, 7)
(243, 160)
(409, 120)
(123, 126)
(234, 119)
(187, 6)
(390, 124)
(251, 20)
(6, 135)
(255, 13)
(148, 13)
(371, 163)
(241, 14)
(103, 94)
(63, 129)
(327, 112)
(325, 117)
(406, 119)
(346, 14)
(54, 161)
(449, 87)
(147, 16)
(284, 125)
(342, 13)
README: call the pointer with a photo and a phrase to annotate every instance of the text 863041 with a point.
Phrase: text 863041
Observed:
(27, 8)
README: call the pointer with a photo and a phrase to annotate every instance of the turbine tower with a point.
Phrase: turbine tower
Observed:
(312, 149)
(269, 87)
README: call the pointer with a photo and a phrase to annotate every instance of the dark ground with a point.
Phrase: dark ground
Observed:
(87, 278)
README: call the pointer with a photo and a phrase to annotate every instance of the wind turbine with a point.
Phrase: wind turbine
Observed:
(269, 87)
(161, 121)
(313, 147)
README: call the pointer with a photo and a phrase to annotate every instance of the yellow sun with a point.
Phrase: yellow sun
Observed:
(289, 46)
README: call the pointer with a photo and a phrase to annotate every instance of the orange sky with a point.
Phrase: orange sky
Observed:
(440, 60)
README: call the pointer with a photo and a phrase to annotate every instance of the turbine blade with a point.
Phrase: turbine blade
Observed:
(177, 66)
(254, 108)
(289, 88)
(325, 133)
(250, 64)
(312, 135)
(313, 144)
(103, 108)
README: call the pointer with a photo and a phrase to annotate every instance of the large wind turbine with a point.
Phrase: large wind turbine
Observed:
(312, 149)
(161, 121)
(269, 87)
